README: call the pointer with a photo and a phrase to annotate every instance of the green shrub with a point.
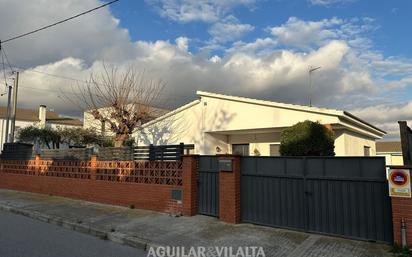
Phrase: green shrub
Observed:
(307, 138)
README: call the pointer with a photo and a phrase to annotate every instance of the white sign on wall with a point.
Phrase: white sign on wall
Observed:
(399, 183)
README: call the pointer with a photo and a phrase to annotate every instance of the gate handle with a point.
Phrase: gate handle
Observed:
(308, 193)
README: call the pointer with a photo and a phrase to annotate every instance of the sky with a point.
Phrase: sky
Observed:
(254, 48)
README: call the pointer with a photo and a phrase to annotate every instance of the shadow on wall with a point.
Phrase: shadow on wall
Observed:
(216, 122)
(174, 129)
(164, 132)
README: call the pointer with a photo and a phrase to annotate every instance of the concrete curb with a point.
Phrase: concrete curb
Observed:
(116, 237)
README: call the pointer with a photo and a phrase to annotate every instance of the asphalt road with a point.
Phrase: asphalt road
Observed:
(24, 237)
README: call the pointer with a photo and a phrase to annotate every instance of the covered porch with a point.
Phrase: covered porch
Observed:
(255, 142)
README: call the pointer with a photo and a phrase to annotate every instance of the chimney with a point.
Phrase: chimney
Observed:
(42, 116)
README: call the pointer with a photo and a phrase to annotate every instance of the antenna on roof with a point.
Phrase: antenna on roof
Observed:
(311, 69)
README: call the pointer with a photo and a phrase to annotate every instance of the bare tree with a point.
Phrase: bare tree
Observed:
(120, 100)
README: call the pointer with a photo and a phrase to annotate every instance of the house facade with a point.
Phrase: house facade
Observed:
(219, 124)
(41, 118)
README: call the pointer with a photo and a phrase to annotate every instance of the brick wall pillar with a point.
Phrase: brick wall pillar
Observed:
(189, 175)
(93, 166)
(37, 164)
(229, 191)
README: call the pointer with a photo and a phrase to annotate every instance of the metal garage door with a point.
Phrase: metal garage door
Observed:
(345, 196)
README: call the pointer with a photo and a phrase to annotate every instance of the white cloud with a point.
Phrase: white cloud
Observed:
(281, 75)
(182, 43)
(215, 59)
(229, 29)
(197, 10)
(260, 46)
(330, 2)
(92, 36)
(299, 33)
(387, 115)
(311, 34)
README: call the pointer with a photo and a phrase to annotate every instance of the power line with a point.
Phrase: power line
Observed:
(57, 23)
(3, 57)
(7, 59)
(4, 68)
(171, 96)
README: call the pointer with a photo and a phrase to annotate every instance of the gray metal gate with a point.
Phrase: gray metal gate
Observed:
(345, 196)
(208, 187)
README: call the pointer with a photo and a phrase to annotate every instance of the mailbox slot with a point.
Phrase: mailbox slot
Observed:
(226, 165)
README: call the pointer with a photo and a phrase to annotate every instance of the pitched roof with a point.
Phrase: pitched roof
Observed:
(388, 147)
(333, 112)
(23, 114)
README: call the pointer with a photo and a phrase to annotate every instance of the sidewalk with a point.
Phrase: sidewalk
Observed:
(143, 229)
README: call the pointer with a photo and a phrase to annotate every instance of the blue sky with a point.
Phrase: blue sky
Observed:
(390, 17)
(252, 48)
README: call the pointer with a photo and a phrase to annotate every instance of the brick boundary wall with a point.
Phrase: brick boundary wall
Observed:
(402, 209)
(81, 183)
(84, 181)
(151, 197)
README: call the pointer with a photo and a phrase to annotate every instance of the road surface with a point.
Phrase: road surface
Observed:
(24, 237)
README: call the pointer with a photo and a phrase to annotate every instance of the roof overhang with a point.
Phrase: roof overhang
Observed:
(248, 131)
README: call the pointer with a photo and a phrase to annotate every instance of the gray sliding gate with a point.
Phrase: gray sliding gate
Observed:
(208, 186)
(345, 196)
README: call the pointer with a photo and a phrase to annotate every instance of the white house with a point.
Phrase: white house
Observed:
(40, 117)
(218, 124)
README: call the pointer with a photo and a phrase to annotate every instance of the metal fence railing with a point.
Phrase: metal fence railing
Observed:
(17, 151)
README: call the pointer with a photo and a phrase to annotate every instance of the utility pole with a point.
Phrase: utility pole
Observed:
(13, 114)
(8, 114)
(6, 140)
(311, 69)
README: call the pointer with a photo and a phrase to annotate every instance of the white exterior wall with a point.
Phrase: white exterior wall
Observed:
(211, 122)
(354, 144)
(223, 115)
(90, 122)
(185, 126)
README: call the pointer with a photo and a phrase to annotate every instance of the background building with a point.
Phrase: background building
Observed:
(103, 127)
(40, 118)
(391, 150)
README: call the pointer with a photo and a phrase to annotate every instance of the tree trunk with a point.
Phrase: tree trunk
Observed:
(120, 139)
